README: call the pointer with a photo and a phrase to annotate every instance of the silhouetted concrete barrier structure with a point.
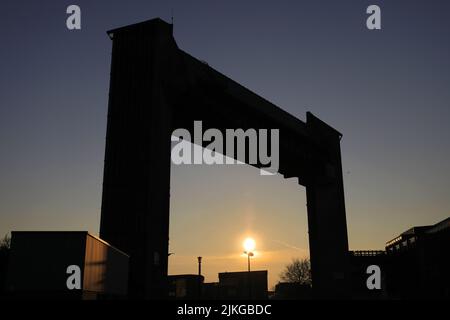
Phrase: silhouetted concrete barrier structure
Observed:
(155, 88)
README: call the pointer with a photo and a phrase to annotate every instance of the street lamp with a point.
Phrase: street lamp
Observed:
(249, 246)
(249, 254)
(199, 259)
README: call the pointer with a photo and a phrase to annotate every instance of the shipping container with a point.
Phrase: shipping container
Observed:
(66, 264)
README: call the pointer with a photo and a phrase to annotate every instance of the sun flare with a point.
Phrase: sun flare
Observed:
(249, 245)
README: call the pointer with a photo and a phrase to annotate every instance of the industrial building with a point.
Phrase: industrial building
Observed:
(231, 286)
(243, 285)
(359, 260)
(418, 262)
(185, 286)
(414, 265)
(292, 291)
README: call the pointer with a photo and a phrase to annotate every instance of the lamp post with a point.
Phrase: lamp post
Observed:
(249, 246)
(249, 275)
(249, 254)
(199, 259)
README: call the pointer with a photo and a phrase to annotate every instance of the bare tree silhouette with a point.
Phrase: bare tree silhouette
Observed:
(298, 271)
(5, 245)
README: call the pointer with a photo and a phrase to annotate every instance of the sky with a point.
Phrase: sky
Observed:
(386, 90)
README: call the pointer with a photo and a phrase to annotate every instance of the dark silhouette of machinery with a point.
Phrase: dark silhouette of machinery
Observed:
(156, 87)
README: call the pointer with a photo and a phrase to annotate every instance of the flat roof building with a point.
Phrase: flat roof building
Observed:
(418, 262)
(243, 285)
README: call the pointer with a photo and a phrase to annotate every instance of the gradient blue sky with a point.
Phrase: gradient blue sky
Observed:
(387, 91)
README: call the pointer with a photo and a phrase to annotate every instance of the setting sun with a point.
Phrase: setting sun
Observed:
(249, 244)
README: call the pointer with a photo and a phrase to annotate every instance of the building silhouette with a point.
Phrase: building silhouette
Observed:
(360, 260)
(185, 286)
(292, 291)
(414, 265)
(243, 285)
(418, 262)
(231, 286)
